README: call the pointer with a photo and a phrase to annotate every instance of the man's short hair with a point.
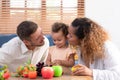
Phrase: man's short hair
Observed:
(25, 29)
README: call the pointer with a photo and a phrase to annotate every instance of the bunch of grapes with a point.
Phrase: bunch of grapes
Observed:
(39, 66)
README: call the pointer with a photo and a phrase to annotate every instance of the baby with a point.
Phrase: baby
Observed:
(60, 53)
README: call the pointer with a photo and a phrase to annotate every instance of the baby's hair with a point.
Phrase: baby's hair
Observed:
(57, 26)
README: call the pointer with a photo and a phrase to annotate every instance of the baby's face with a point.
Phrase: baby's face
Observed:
(59, 39)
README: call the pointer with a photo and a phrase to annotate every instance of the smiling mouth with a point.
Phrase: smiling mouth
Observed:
(42, 42)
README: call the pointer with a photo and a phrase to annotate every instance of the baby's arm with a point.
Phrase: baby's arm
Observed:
(67, 63)
(70, 61)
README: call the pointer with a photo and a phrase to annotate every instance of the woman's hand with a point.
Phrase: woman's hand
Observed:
(82, 71)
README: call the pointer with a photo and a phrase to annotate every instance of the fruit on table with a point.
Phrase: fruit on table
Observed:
(39, 66)
(29, 70)
(20, 70)
(4, 72)
(32, 74)
(57, 70)
(25, 74)
(74, 68)
(6, 75)
(47, 72)
(24, 70)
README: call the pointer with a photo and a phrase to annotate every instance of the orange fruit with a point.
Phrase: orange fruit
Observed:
(32, 74)
(74, 68)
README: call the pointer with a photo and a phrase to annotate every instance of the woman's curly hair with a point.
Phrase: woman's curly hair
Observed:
(92, 37)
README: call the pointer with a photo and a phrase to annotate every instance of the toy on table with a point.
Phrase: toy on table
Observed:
(27, 71)
(4, 72)
(48, 72)
(74, 50)
(57, 70)
(74, 68)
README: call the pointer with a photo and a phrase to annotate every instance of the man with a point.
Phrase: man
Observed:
(30, 44)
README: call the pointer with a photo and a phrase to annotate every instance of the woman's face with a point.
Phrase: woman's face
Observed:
(72, 38)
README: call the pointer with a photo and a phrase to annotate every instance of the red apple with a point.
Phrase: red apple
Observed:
(6, 75)
(47, 72)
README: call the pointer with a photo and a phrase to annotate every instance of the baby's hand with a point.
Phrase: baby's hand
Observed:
(56, 62)
(71, 55)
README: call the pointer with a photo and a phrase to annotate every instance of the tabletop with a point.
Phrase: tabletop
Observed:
(63, 77)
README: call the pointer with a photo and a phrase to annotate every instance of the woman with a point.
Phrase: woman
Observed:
(97, 56)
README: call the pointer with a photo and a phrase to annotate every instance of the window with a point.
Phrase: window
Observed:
(43, 12)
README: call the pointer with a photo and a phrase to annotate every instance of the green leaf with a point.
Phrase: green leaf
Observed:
(29, 61)
(3, 67)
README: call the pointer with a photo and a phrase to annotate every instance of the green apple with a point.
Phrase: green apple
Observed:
(57, 70)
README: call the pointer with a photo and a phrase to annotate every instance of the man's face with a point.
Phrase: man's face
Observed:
(37, 39)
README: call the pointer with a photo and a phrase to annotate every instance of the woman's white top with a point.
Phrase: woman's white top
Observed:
(107, 68)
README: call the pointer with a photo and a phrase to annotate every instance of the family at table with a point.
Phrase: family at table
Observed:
(98, 57)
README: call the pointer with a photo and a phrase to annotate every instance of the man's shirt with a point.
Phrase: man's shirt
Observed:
(15, 53)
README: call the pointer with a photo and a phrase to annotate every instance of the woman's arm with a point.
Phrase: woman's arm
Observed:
(104, 69)
(111, 68)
